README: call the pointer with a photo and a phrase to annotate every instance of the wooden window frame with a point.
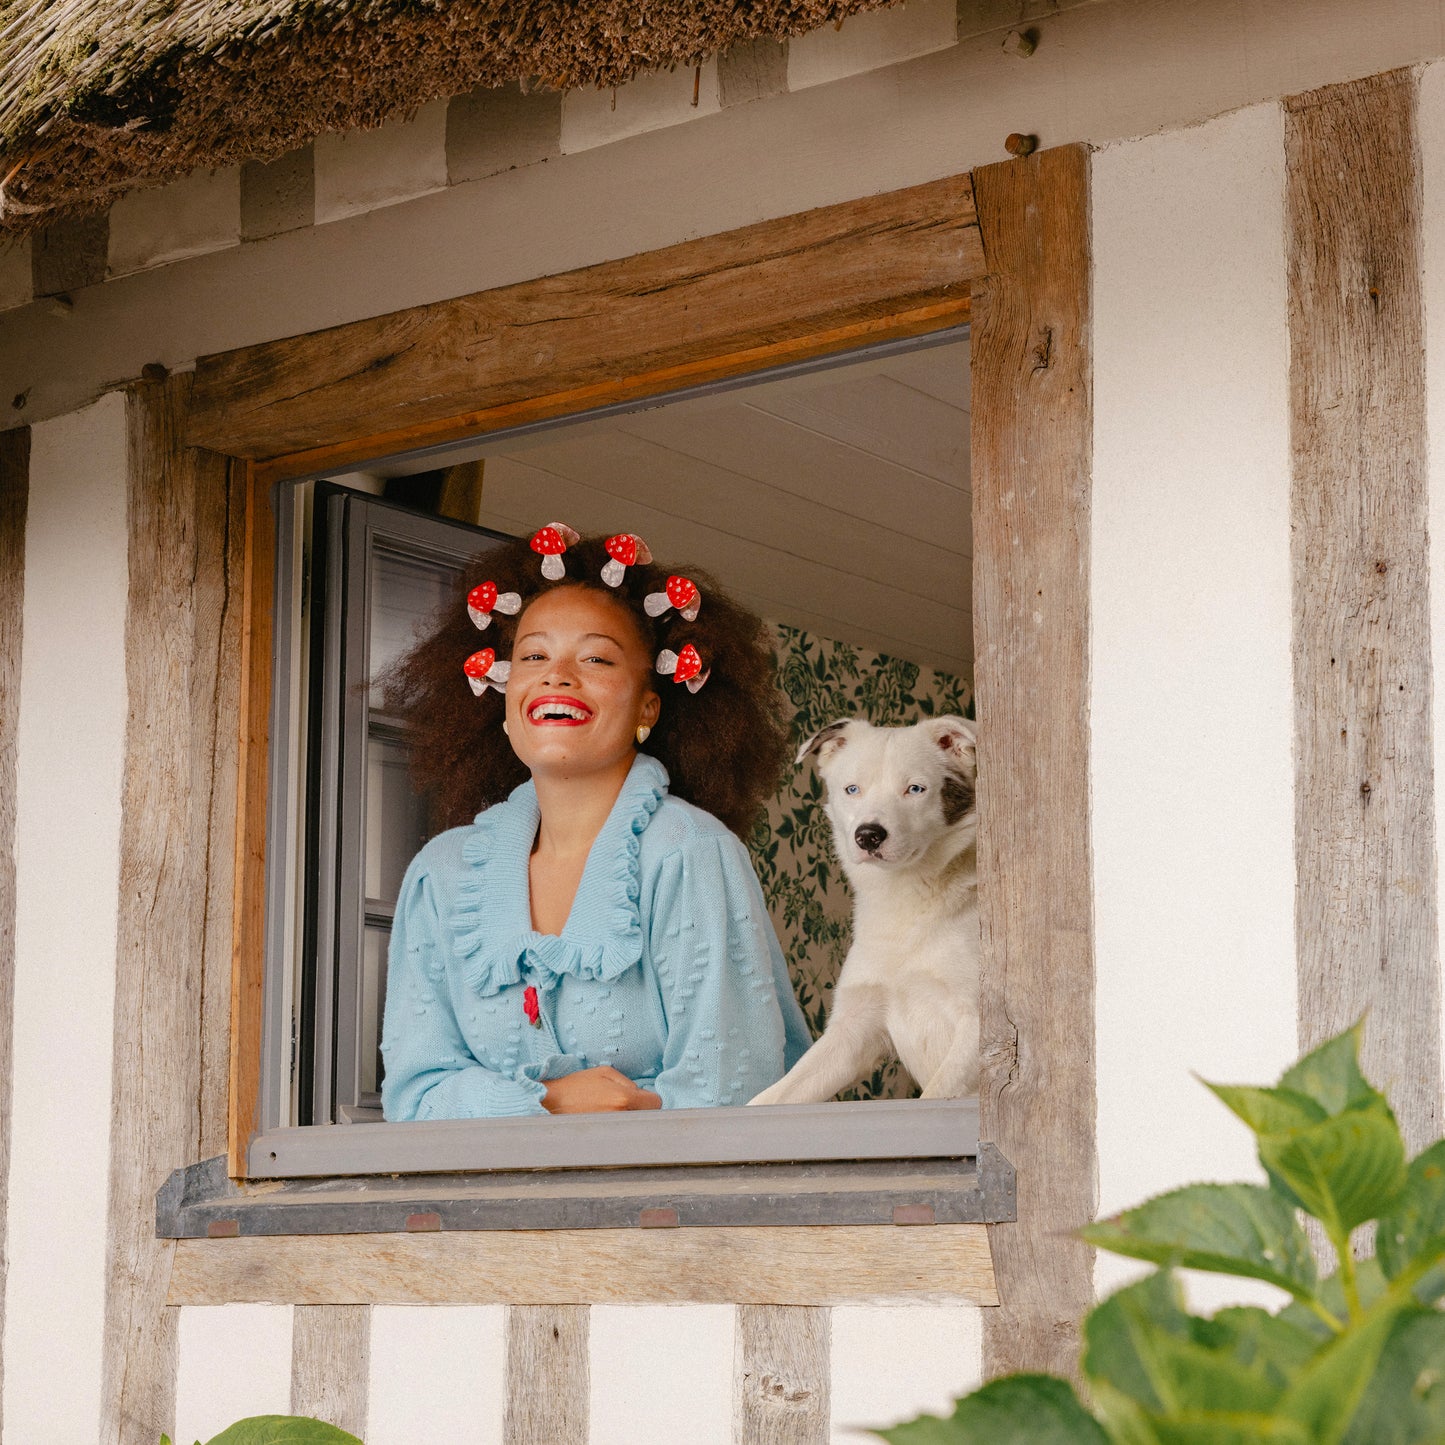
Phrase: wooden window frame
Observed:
(1005, 248)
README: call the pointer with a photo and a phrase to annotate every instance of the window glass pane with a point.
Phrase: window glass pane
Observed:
(395, 818)
(405, 591)
(373, 992)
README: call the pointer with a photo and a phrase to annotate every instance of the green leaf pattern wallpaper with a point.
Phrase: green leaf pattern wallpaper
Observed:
(792, 845)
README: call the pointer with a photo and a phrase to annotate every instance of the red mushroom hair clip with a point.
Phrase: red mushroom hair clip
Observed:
(624, 550)
(551, 541)
(681, 593)
(685, 666)
(484, 671)
(484, 599)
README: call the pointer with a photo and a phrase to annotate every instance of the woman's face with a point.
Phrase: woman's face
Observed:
(581, 682)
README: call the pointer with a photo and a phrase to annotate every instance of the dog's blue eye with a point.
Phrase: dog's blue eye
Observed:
(917, 788)
(851, 788)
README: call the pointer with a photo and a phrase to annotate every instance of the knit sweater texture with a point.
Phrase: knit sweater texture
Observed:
(667, 968)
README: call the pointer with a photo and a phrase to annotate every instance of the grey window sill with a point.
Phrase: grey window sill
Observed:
(884, 1162)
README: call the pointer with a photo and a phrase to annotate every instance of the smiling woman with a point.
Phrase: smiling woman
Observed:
(596, 940)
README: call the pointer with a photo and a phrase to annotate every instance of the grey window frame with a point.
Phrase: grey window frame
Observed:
(906, 1132)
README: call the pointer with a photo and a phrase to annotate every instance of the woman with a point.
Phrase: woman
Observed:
(595, 939)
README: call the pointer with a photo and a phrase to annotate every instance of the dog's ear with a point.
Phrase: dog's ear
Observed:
(824, 742)
(958, 738)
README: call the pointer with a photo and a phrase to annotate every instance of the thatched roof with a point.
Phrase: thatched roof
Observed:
(97, 96)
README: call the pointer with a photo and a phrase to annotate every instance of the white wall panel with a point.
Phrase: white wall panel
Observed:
(67, 853)
(654, 101)
(662, 1372)
(1192, 694)
(362, 169)
(870, 41)
(234, 1361)
(1432, 168)
(893, 1362)
(437, 1373)
(156, 225)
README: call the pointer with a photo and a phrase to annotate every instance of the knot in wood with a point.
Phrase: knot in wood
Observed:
(1365, 790)
(779, 1392)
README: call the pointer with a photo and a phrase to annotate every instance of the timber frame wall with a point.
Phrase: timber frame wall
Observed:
(1006, 248)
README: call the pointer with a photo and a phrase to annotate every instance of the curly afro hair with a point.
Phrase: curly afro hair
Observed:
(725, 747)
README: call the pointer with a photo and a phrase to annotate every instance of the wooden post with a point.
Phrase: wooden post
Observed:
(14, 496)
(1366, 928)
(548, 1379)
(330, 1364)
(1032, 437)
(780, 1376)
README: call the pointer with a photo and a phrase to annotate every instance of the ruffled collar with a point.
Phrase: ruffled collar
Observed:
(492, 929)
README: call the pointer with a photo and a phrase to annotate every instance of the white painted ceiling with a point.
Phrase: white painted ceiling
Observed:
(838, 501)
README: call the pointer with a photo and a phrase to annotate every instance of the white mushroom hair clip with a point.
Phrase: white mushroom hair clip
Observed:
(624, 550)
(681, 593)
(551, 542)
(484, 671)
(484, 599)
(685, 666)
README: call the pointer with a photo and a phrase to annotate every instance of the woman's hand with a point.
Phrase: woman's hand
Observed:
(596, 1091)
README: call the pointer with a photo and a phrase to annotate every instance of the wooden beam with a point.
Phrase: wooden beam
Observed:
(1366, 925)
(777, 291)
(14, 499)
(548, 1385)
(781, 1371)
(1032, 430)
(249, 875)
(877, 1264)
(330, 1364)
(162, 928)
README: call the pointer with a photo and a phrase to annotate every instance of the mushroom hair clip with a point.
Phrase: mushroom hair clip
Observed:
(681, 593)
(624, 550)
(551, 542)
(484, 671)
(685, 666)
(484, 599)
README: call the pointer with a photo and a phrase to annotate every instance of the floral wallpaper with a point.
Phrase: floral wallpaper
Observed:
(792, 846)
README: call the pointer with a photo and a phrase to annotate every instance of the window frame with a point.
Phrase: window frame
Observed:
(1007, 246)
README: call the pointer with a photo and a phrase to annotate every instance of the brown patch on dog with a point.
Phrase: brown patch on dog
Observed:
(958, 795)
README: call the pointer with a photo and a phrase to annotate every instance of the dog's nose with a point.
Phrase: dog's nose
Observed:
(869, 836)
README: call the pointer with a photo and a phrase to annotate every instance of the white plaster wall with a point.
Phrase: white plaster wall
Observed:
(363, 169)
(67, 844)
(893, 1362)
(1432, 170)
(870, 41)
(593, 117)
(661, 1372)
(15, 274)
(1191, 701)
(233, 1361)
(156, 225)
(438, 1373)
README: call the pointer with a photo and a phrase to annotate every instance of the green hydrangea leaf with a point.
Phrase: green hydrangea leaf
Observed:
(1405, 1401)
(1414, 1227)
(1229, 1428)
(283, 1430)
(1343, 1170)
(1016, 1410)
(1277, 1345)
(1269, 1111)
(1370, 1283)
(1238, 1229)
(1330, 1074)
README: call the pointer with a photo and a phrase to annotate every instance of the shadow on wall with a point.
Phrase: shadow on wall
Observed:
(792, 847)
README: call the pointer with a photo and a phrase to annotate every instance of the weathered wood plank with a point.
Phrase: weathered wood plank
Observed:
(548, 1377)
(330, 1359)
(1032, 430)
(160, 930)
(673, 316)
(253, 706)
(846, 1264)
(1366, 929)
(780, 1376)
(14, 497)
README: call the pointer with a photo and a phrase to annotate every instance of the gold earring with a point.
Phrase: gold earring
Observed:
(504, 726)
(643, 733)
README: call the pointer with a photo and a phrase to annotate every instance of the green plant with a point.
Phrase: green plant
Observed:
(1355, 1358)
(279, 1430)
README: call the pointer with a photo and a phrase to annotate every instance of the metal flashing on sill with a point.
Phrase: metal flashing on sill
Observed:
(777, 1134)
(200, 1202)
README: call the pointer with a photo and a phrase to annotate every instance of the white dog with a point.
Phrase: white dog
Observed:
(901, 802)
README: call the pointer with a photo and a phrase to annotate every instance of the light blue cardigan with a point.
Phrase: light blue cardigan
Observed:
(667, 969)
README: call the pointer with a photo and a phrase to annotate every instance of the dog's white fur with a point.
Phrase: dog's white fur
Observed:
(910, 980)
